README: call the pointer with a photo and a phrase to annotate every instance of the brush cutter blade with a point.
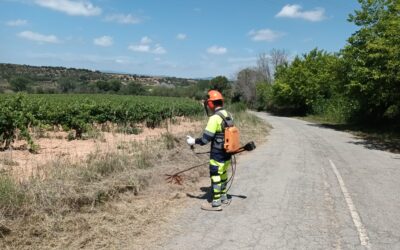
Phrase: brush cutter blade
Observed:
(174, 179)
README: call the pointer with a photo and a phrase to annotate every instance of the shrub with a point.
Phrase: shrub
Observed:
(236, 107)
(338, 109)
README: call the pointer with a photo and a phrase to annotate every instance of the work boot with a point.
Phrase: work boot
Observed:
(225, 200)
(216, 203)
(213, 206)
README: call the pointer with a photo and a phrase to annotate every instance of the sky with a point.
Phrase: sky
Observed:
(181, 38)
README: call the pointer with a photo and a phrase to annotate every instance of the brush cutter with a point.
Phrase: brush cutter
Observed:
(176, 178)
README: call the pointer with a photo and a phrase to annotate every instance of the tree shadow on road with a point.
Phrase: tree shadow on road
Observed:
(370, 138)
(207, 195)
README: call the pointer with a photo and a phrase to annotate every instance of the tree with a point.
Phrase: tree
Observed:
(264, 96)
(245, 87)
(115, 85)
(264, 68)
(278, 58)
(133, 88)
(103, 85)
(372, 55)
(20, 83)
(67, 84)
(267, 64)
(306, 80)
(221, 84)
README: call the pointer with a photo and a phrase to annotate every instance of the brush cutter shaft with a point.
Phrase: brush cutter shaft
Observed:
(178, 179)
(188, 169)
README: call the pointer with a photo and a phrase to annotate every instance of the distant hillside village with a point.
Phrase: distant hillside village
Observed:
(43, 79)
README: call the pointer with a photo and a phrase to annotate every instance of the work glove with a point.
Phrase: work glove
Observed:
(190, 140)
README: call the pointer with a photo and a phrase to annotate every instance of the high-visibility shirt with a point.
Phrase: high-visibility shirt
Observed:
(214, 127)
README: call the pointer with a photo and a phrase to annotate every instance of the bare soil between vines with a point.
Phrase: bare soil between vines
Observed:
(55, 147)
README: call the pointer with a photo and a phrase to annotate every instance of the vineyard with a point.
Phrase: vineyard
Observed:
(19, 113)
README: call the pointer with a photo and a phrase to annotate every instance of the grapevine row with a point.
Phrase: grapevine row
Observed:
(80, 111)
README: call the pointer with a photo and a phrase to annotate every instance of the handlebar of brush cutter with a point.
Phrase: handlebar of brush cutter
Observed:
(250, 146)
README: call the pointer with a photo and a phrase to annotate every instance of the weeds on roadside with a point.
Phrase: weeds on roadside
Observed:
(130, 130)
(94, 133)
(8, 162)
(12, 196)
(65, 187)
(143, 160)
(63, 190)
(106, 164)
(251, 127)
(169, 140)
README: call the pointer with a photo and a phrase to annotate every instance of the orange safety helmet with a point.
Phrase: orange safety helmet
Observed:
(213, 95)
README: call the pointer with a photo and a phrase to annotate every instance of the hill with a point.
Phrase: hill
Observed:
(45, 79)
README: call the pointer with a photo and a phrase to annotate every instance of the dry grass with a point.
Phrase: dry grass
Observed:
(251, 127)
(107, 200)
(8, 161)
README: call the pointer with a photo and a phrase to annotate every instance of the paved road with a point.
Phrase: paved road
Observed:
(307, 188)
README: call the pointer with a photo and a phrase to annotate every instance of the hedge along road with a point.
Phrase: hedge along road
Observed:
(308, 187)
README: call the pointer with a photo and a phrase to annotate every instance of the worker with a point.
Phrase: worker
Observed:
(220, 160)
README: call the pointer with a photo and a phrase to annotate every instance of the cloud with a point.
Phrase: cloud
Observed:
(33, 36)
(73, 8)
(88, 59)
(215, 50)
(139, 48)
(18, 22)
(145, 40)
(159, 50)
(181, 36)
(265, 35)
(123, 19)
(122, 60)
(104, 41)
(295, 11)
(145, 46)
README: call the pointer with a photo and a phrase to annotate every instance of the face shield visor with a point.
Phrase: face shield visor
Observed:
(208, 107)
